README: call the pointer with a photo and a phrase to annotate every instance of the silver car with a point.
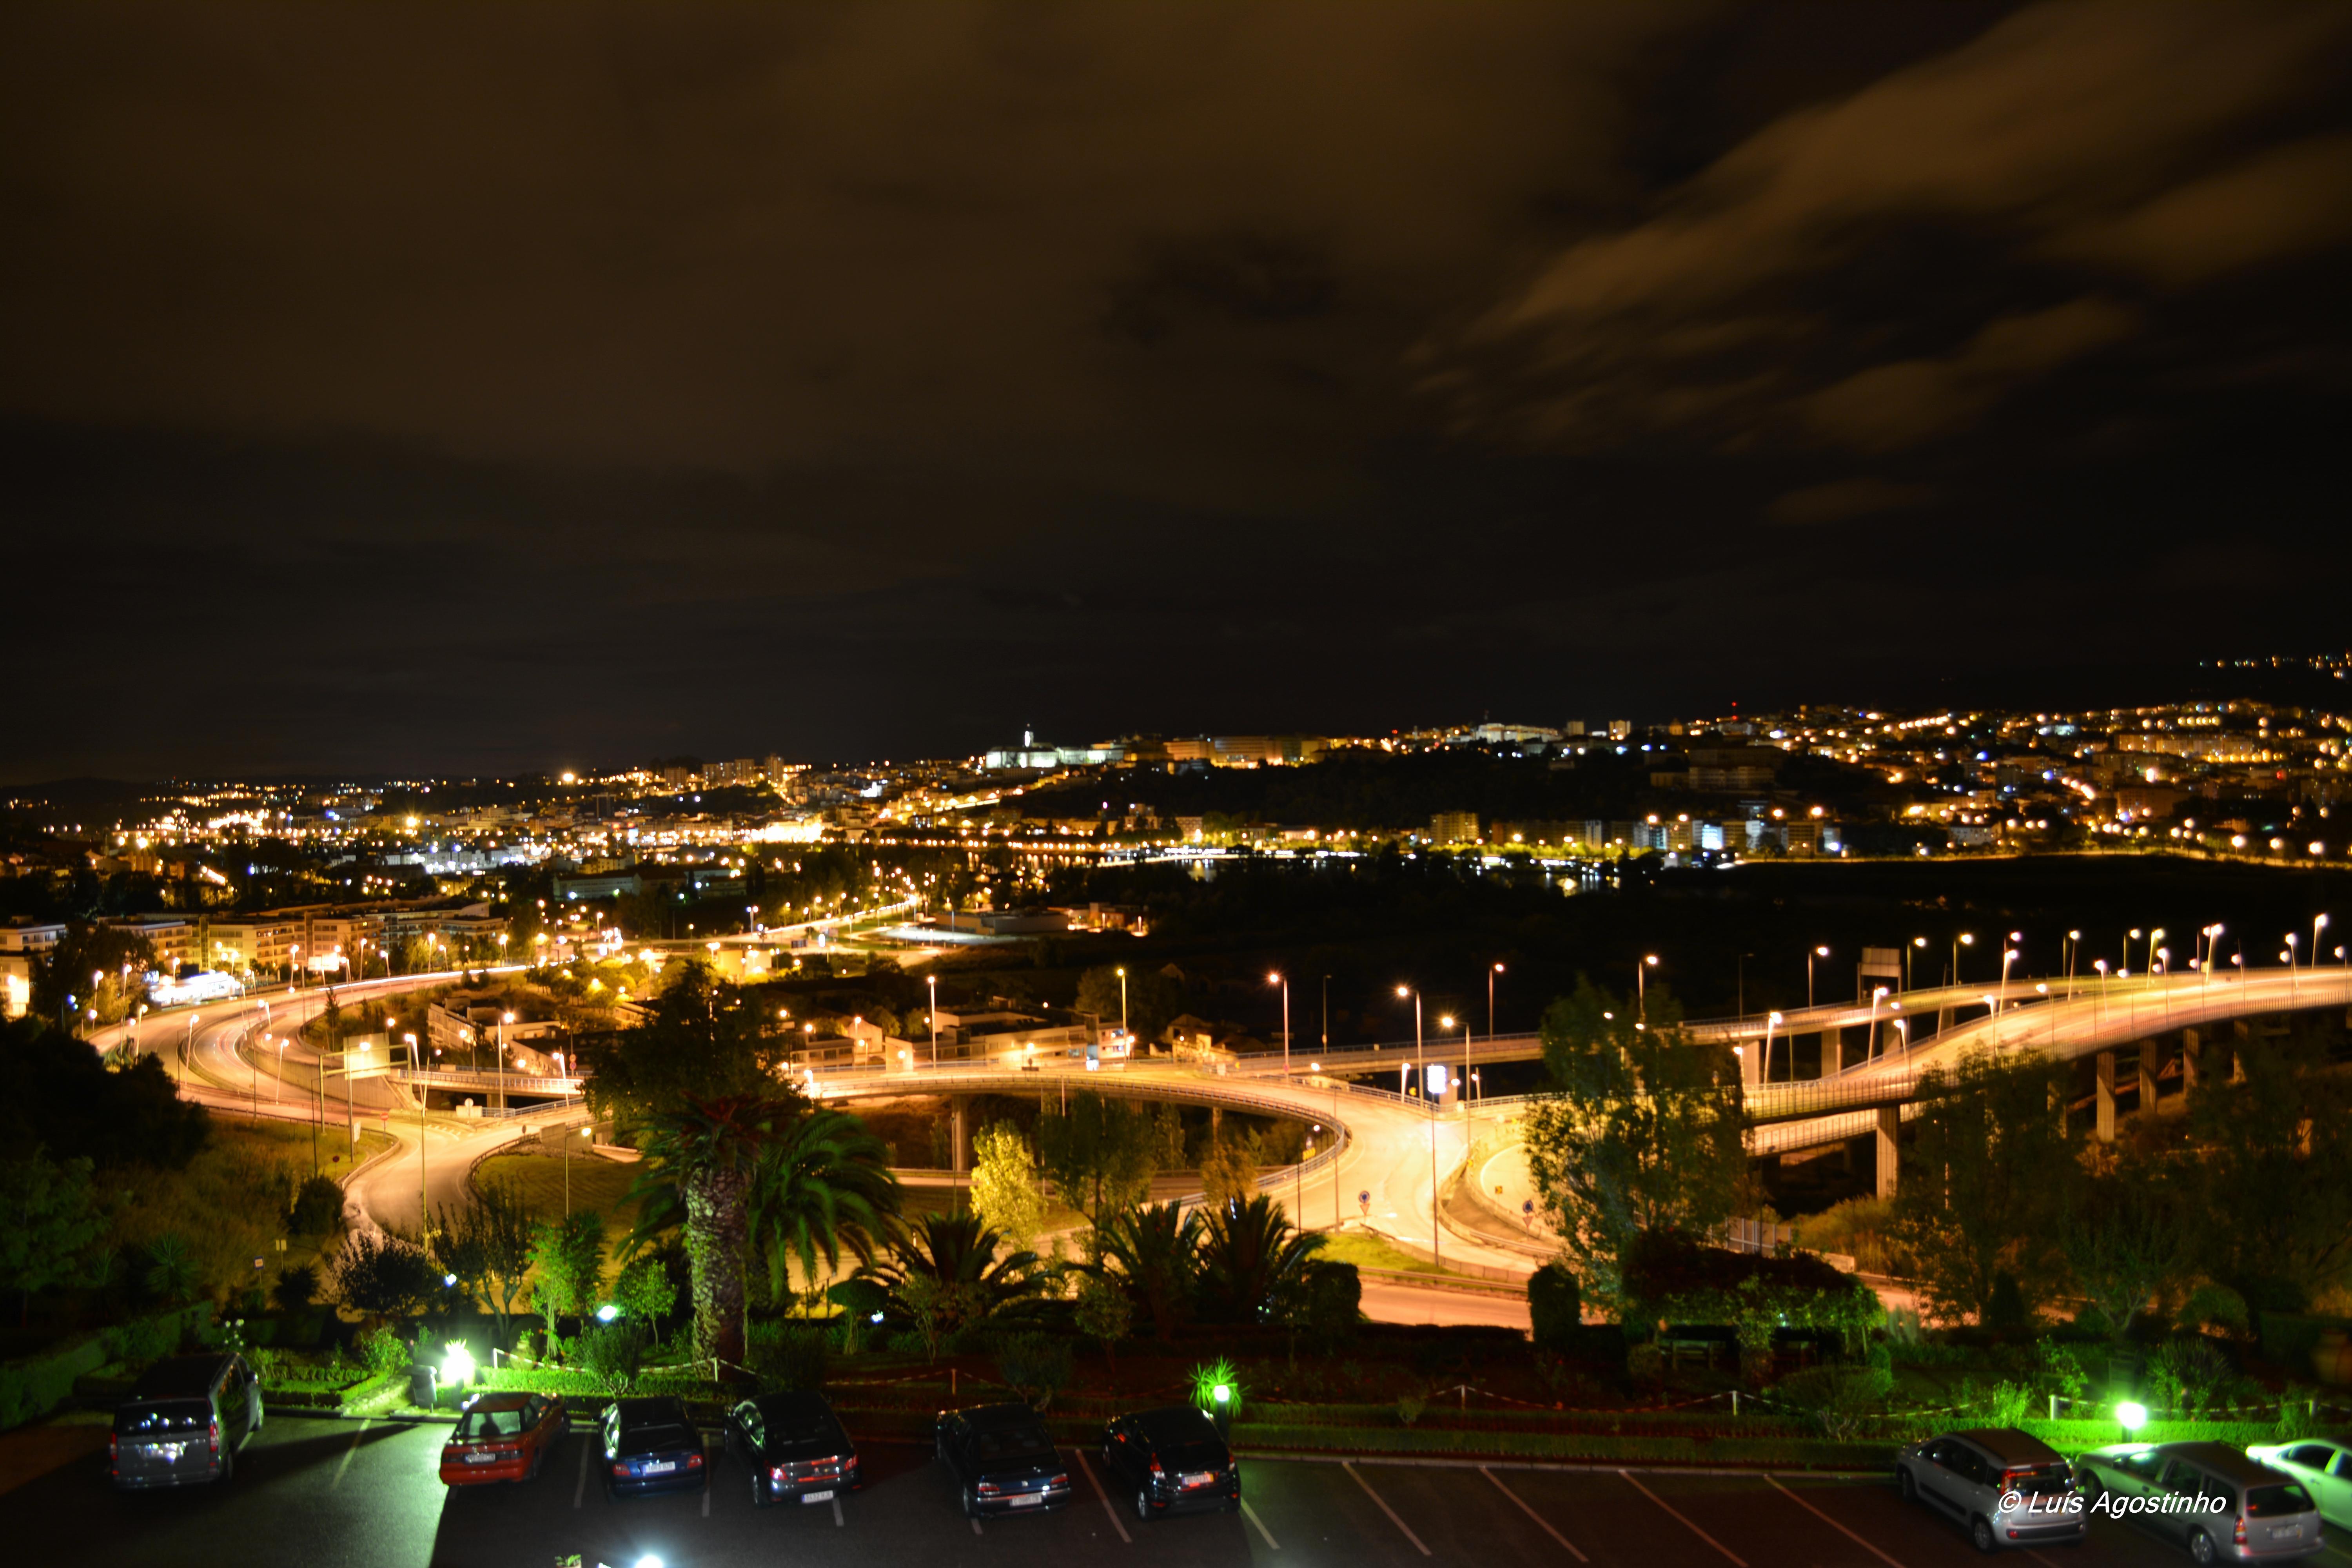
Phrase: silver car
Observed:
(2324, 1468)
(185, 1421)
(2004, 1487)
(2208, 1497)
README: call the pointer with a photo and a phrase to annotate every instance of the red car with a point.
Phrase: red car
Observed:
(502, 1437)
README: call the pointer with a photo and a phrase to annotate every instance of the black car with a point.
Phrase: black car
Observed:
(795, 1448)
(652, 1446)
(1002, 1459)
(1171, 1459)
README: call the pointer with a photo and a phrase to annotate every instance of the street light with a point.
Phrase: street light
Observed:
(1276, 978)
(1811, 954)
(1641, 983)
(933, 981)
(1423, 1071)
(1492, 971)
(1770, 1020)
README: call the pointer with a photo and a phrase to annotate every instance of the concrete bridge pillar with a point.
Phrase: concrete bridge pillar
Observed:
(2151, 1062)
(2191, 1045)
(2105, 1066)
(1833, 1052)
(2241, 1039)
(959, 1137)
(1890, 1123)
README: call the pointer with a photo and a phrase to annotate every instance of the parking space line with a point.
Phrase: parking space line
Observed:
(838, 1521)
(1832, 1524)
(1251, 1514)
(581, 1490)
(1531, 1514)
(705, 1497)
(975, 1526)
(1115, 1522)
(1694, 1529)
(1385, 1508)
(345, 1463)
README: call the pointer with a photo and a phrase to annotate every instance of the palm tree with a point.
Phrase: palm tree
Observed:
(1157, 1249)
(824, 1186)
(1253, 1265)
(958, 1253)
(707, 1153)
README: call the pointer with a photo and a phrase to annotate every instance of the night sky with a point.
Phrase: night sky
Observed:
(482, 388)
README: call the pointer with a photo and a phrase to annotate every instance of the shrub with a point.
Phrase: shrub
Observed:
(149, 1339)
(1842, 1400)
(317, 1208)
(787, 1355)
(1555, 1307)
(613, 1352)
(1409, 1407)
(382, 1350)
(296, 1289)
(1036, 1366)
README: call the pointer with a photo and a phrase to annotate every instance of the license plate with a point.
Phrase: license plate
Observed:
(2286, 1531)
(1028, 1499)
(1198, 1478)
(167, 1450)
(816, 1497)
(481, 1458)
(660, 1468)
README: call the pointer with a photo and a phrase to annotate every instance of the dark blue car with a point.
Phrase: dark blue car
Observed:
(652, 1446)
(1002, 1460)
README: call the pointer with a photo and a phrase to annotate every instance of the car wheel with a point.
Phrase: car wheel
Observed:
(2092, 1488)
(1981, 1537)
(2200, 1546)
(971, 1506)
(1143, 1510)
(1233, 1505)
(228, 1465)
(761, 1496)
(1904, 1486)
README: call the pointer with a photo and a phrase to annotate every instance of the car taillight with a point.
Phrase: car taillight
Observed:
(621, 1470)
(694, 1462)
(212, 1436)
(113, 1447)
(987, 1489)
(1157, 1473)
(777, 1474)
(1061, 1481)
(2238, 1535)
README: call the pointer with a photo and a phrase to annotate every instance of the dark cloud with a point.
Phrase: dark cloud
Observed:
(505, 385)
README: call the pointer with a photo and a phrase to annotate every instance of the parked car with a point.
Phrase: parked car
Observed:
(795, 1448)
(652, 1446)
(502, 1437)
(2324, 1468)
(2208, 1497)
(1171, 1459)
(2004, 1487)
(1002, 1460)
(186, 1419)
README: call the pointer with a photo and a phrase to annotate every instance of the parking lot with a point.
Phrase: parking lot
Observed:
(314, 1491)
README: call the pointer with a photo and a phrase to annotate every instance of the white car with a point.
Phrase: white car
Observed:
(2324, 1468)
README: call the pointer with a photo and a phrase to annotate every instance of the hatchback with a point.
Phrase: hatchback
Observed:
(2004, 1487)
(795, 1448)
(652, 1446)
(1171, 1460)
(1002, 1460)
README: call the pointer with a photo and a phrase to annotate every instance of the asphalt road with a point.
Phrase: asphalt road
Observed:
(313, 1492)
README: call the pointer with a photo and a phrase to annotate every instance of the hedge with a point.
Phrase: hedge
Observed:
(37, 1384)
(2072, 1436)
(1600, 1447)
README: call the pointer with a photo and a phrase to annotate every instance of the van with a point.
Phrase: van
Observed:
(185, 1418)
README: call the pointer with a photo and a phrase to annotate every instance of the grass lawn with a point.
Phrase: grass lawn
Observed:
(1372, 1252)
(598, 1186)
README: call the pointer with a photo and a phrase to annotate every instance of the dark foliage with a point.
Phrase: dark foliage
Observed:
(56, 1091)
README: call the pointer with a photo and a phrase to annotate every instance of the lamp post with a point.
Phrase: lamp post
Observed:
(1492, 971)
(1276, 978)
(2008, 957)
(1642, 984)
(1314, 1068)
(1811, 954)
(1769, 1020)
(1909, 954)
(933, 981)
(424, 1202)
(1445, 1022)
(1420, 1067)
(1966, 939)
(2293, 941)
(2066, 954)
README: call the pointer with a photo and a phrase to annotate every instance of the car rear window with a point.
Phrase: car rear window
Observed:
(490, 1424)
(2038, 1480)
(2284, 1497)
(172, 1415)
(654, 1439)
(1015, 1443)
(1193, 1455)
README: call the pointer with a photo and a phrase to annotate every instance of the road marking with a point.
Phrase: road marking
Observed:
(1694, 1529)
(705, 1497)
(1531, 1514)
(581, 1490)
(838, 1521)
(1251, 1514)
(975, 1526)
(345, 1463)
(1385, 1508)
(1841, 1528)
(1115, 1523)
